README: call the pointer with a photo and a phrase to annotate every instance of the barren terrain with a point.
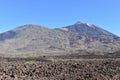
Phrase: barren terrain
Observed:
(60, 69)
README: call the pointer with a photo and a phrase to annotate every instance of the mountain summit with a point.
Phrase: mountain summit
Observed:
(89, 36)
(37, 39)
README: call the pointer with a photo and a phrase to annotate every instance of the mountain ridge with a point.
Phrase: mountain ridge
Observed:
(32, 38)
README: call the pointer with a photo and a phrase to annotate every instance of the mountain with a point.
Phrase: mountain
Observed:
(69, 39)
(32, 39)
(90, 37)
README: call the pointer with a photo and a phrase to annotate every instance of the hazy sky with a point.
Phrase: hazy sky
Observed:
(58, 13)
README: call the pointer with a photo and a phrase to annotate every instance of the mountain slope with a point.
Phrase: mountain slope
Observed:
(90, 37)
(33, 39)
(70, 39)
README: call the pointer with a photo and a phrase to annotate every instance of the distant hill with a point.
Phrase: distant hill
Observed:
(69, 39)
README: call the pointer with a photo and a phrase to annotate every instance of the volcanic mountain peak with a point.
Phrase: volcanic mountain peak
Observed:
(87, 29)
(32, 38)
(78, 25)
(81, 23)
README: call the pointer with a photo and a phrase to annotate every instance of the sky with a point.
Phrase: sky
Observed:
(59, 13)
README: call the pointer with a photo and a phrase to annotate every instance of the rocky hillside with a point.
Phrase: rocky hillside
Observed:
(33, 39)
(90, 37)
(70, 39)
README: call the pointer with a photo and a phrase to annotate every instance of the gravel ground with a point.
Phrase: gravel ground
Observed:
(61, 70)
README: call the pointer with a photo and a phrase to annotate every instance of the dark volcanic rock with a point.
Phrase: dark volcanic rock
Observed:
(61, 70)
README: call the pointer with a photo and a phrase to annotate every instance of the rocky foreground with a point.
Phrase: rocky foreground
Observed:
(61, 70)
